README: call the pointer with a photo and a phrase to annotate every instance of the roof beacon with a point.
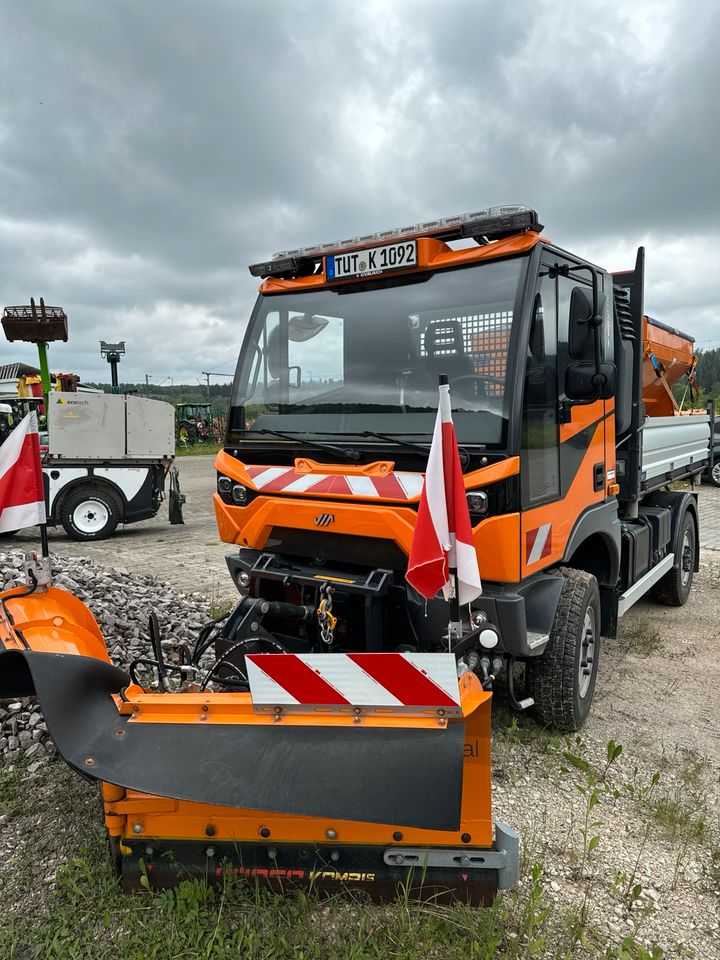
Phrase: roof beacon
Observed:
(494, 223)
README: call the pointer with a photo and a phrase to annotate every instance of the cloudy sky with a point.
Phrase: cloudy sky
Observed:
(149, 151)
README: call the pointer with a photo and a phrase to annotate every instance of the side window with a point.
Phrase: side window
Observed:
(540, 473)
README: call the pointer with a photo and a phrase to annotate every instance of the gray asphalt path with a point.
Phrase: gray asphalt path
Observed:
(709, 501)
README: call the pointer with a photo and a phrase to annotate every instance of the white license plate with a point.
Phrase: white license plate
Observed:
(362, 263)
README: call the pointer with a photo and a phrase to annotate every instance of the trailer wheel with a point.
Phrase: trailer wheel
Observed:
(90, 513)
(562, 679)
(674, 588)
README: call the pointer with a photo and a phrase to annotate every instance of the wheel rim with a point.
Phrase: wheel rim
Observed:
(687, 558)
(90, 516)
(587, 653)
(716, 473)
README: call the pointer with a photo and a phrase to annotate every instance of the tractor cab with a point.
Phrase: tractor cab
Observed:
(194, 422)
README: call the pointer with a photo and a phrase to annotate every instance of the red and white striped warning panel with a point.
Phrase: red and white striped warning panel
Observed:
(538, 543)
(408, 682)
(396, 485)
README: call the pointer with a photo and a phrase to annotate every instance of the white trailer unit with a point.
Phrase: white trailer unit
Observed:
(107, 462)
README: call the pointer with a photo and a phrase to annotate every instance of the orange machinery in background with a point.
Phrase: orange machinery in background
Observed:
(668, 354)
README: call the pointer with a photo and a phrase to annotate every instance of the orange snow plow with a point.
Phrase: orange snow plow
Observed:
(334, 792)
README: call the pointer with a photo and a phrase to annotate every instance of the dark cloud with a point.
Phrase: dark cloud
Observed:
(150, 151)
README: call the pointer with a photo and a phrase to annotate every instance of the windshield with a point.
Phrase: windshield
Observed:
(366, 356)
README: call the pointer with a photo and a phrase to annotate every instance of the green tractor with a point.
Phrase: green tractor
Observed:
(194, 422)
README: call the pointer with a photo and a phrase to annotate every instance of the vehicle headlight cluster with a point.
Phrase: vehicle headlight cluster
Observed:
(232, 492)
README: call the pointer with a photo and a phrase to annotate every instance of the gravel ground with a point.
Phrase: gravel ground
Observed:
(121, 603)
(654, 872)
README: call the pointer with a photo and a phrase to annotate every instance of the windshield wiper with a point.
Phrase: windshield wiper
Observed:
(464, 455)
(401, 443)
(346, 452)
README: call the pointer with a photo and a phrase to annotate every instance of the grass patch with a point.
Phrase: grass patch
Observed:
(88, 916)
(679, 819)
(197, 449)
(642, 638)
(17, 797)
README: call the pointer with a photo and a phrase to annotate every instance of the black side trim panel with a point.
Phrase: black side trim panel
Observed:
(142, 505)
(572, 453)
(376, 775)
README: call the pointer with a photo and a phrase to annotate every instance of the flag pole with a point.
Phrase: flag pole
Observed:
(44, 540)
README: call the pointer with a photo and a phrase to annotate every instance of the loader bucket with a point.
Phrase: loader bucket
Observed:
(35, 325)
(267, 785)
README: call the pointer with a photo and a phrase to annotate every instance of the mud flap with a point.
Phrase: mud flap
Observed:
(175, 499)
(371, 774)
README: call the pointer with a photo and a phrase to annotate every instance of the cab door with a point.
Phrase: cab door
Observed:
(563, 448)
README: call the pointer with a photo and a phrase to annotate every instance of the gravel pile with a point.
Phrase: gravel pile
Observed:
(121, 603)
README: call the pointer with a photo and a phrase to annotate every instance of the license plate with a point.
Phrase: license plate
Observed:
(363, 263)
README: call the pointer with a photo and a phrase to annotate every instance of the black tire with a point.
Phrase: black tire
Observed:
(558, 680)
(674, 588)
(187, 432)
(90, 513)
(714, 474)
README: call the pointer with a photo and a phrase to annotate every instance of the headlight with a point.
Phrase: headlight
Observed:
(224, 485)
(477, 502)
(239, 494)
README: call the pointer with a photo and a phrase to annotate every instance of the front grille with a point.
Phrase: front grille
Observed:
(336, 548)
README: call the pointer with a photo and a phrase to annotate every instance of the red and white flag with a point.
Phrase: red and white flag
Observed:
(22, 496)
(443, 535)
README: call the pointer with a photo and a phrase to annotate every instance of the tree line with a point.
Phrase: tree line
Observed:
(177, 393)
(708, 374)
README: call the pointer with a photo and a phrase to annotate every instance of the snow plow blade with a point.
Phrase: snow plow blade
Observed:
(200, 783)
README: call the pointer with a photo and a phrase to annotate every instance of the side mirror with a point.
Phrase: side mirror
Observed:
(581, 338)
(582, 382)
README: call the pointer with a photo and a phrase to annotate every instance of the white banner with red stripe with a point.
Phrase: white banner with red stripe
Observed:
(22, 496)
(408, 682)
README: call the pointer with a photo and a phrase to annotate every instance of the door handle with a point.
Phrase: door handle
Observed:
(599, 476)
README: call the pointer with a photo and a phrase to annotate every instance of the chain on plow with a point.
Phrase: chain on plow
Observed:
(326, 620)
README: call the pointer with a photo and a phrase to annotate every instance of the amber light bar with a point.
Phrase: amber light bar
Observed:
(490, 224)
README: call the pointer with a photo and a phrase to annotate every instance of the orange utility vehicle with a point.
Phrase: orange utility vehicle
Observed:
(331, 731)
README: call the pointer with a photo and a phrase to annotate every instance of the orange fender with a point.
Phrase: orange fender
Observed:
(49, 621)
